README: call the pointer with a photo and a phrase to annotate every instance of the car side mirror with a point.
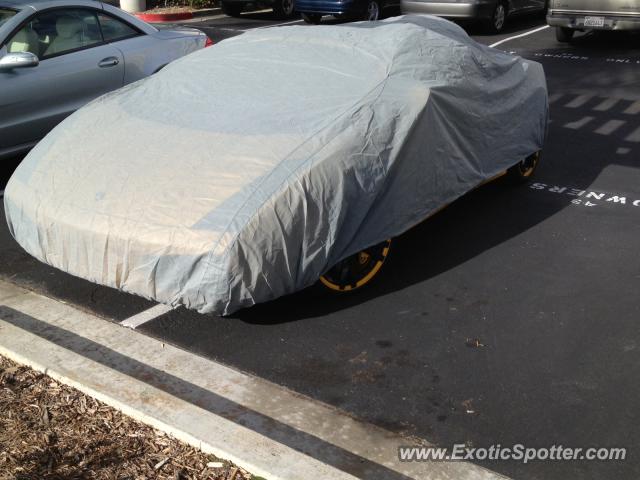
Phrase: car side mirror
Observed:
(18, 60)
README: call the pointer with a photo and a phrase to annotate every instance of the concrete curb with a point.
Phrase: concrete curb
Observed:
(205, 12)
(151, 17)
(164, 17)
(266, 429)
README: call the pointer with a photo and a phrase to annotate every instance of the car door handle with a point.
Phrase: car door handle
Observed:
(108, 62)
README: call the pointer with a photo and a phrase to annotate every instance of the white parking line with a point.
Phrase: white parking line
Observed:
(579, 123)
(607, 104)
(633, 109)
(262, 427)
(200, 19)
(231, 30)
(634, 136)
(519, 36)
(555, 97)
(579, 101)
(609, 127)
(278, 24)
(146, 316)
(259, 28)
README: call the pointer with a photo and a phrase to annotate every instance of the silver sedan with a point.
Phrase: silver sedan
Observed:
(492, 13)
(57, 55)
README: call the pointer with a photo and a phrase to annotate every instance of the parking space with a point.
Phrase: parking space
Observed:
(219, 27)
(511, 317)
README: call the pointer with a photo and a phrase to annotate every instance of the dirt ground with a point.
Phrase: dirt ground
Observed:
(51, 431)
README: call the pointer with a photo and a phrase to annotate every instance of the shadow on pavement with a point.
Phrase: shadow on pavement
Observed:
(590, 43)
(496, 212)
(609, 42)
(8, 165)
(298, 440)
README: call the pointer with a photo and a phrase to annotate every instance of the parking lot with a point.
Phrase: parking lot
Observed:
(511, 317)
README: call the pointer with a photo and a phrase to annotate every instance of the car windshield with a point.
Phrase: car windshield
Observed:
(6, 14)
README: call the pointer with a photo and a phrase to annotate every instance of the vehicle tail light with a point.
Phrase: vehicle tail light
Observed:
(208, 42)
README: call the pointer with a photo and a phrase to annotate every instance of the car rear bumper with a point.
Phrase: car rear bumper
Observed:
(468, 10)
(330, 7)
(575, 20)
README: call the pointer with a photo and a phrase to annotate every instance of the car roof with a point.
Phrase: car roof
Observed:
(20, 3)
(39, 4)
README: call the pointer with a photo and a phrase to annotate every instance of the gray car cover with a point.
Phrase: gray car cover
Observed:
(242, 172)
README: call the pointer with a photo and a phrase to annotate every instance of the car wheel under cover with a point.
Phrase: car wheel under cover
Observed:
(522, 171)
(357, 270)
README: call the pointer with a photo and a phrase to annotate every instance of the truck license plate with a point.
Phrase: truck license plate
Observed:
(594, 21)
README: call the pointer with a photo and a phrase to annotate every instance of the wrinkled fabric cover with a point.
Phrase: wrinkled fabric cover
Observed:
(244, 171)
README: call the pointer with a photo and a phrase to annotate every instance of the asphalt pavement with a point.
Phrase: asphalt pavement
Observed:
(511, 317)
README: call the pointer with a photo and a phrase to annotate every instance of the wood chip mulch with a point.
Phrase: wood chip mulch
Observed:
(51, 431)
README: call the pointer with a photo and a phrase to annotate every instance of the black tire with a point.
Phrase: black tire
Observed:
(283, 8)
(523, 171)
(232, 9)
(564, 34)
(357, 270)
(373, 11)
(498, 19)
(313, 18)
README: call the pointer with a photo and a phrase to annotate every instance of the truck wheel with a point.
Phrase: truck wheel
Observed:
(522, 171)
(564, 34)
(283, 8)
(231, 9)
(498, 19)
(313, 18)
(357, 270)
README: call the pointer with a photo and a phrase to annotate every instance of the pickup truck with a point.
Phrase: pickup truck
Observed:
(567, 16)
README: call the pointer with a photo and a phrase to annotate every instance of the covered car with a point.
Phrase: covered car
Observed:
(245, 171)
